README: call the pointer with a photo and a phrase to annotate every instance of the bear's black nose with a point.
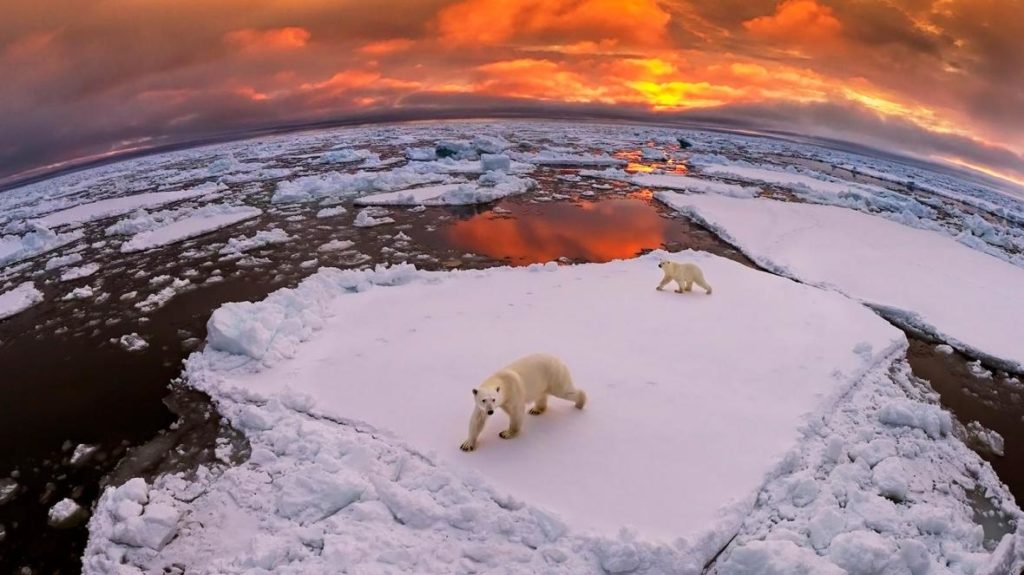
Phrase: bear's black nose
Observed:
(490, 412)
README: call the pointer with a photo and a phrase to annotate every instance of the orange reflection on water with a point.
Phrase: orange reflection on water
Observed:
(635, 168)
(593, 231)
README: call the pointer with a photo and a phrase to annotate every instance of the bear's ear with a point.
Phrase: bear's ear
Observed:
(474, 391)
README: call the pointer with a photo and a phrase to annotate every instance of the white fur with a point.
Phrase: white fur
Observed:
(527, 380)
(684, 274)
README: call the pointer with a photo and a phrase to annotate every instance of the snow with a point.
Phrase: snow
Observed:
(912, 489)
(340, 185)
(453, 194)
(694, 184)
(61, 261)
(331, 212)
(133, 342)
(863, 552)
(189, 227)
(336, 246)
(693, 423)
(117, 206)
(987, 439)
(675, 182)
(260, 239)
(159, 299)
(653, 154)
(84, 292)
(134, 519)
(64, 513)
(14, 248)
(861, 256)
(555, 158)
(788, 178)
(82, 454)
(80, 272)
(370, 217)
(347, 155)
(777, 557)
(19, 299)
(495, 162)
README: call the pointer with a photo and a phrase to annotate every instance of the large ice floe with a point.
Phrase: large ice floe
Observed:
(918, 278)
(489, 187)
(15, 248)
(117, 206)
(191, 224)
(354, 392)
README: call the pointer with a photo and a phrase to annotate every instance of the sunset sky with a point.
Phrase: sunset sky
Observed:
(942, 79)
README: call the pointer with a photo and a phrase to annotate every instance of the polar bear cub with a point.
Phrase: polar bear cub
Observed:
(684, 274)
(527, 380)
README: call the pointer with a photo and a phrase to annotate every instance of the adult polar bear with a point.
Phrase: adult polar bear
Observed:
(527, 380)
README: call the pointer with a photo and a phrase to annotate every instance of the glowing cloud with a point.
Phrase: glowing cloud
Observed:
(288, 38)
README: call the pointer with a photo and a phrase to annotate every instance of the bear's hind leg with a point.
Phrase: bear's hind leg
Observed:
(577, 396)
(704, 285)
(540, 406)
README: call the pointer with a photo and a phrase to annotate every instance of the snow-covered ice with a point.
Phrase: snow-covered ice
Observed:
(84, 292)
(554, 158)
(80, 272)
(123, 205)
(922, 279)
(501, 186)
(133, 342)
(14, 248)
(190, 227)
(335, 246)
(159, 299)
(260, 239)
(341, 185)
(83, 453)
(331, 212)
(675, 182)
(19, 299)
(65, 513)
(62, 261)
(355, 462)
(425, 401)
(371, 217)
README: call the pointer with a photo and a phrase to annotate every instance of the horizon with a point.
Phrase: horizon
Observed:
(72, 166)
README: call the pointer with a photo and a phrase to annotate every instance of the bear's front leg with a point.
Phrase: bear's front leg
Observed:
(515, 422)
(664, 281)
(476, 425)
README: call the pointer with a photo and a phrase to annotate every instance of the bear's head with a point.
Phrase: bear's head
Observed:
(487, 399)
(663, 264)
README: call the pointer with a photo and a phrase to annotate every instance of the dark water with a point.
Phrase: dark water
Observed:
(65, 383)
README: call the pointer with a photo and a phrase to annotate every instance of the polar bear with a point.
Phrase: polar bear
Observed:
(527, 380)
(684, 274)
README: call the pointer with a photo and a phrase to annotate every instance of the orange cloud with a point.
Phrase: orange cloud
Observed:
(634, 22)
(343, 81)
(796, 20)
(29, 46)
(540, 79)
(387, 46)
(287, 38)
